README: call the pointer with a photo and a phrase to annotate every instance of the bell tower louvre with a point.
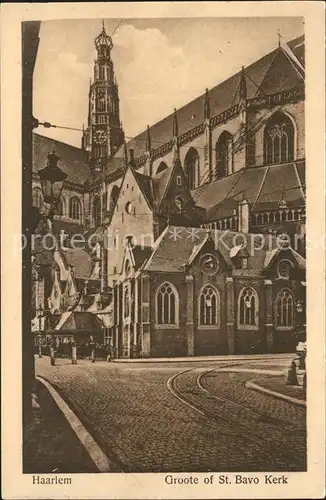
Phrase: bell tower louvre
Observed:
(104, 134)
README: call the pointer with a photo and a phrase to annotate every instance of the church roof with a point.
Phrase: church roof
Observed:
(80, 260)
(78, 320)
(140, 254)
(73, 161)
(262, 187)
(223, 96)
(177, 245)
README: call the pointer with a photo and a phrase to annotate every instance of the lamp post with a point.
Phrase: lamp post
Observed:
(52, 179)
(40, 334)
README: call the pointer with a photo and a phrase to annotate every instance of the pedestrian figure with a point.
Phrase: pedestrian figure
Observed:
(92, 349)
(292, 378)
(52, 345)
(73, 353)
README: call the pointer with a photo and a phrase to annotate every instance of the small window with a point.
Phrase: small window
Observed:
(244, 263)
(129, 207)
(179, 203)
(179, 180)
(284, 269)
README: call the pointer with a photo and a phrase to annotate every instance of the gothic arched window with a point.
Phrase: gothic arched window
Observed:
(209, 306)
(162, 166)
(97, 211)
(278, 139)
(192, 168)
(284, 309)
(224, 155)
(248, 306)
(61, 207)
(167, 305)
(74, 208)
(37, 197)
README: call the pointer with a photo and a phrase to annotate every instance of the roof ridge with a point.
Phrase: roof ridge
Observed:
(60, 142)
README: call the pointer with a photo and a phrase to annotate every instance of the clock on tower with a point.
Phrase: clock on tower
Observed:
(100, 137)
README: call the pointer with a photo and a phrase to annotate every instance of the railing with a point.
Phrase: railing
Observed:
(230, 223)
(291, 95)
(276, 216)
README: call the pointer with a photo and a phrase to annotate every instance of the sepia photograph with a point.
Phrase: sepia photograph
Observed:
(163, 251)
(166, 288)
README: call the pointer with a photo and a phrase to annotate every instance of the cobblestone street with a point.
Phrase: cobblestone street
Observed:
(182, 416)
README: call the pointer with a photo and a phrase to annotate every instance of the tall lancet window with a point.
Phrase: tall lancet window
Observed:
(192, 170)
(278, 140)
(209, 306)
(224, 155)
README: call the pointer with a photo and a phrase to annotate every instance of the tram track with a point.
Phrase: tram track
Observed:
(256, 414)
(198, 398)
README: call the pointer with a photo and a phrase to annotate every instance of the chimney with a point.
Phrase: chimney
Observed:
(243, 216)
(131, 157)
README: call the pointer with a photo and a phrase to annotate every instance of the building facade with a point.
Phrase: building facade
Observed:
(232, 160)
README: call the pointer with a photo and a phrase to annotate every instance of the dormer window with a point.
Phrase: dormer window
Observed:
(284, 269)
(179, 203)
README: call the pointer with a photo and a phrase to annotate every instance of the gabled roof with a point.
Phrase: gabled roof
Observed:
(145, 184)
(222, 97)
(177, 246)
(262, 187)
(160, 183)
(140, 254)
(272, 254)
(78, 321)
(79, 259)
(73, 161)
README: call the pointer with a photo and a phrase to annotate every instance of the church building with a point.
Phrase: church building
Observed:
(197, 224)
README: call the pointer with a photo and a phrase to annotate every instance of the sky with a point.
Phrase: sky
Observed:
(160, 64)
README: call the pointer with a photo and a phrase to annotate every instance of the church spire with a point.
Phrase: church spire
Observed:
(175, 129)
(243, 85)
(104, 134)
(148, 139)
(207, 109)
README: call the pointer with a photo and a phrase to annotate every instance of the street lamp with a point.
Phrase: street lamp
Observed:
(52, 179)
(40, 334)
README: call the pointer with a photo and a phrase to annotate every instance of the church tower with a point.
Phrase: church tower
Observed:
(104, 134)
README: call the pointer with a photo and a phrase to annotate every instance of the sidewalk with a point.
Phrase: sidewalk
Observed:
(189, 359)
(275, 385)
(50, 443)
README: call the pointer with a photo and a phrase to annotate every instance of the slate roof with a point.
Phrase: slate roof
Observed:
(262, 187)
(140, 254)
(80, 260)
(222, 97)
(161, 182)
(177, 246)
(73, 161)
(78, 320)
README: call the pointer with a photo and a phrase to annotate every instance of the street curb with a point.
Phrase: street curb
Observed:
(251, 385)
(196, 359)
(249, 370)
(101, 461)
